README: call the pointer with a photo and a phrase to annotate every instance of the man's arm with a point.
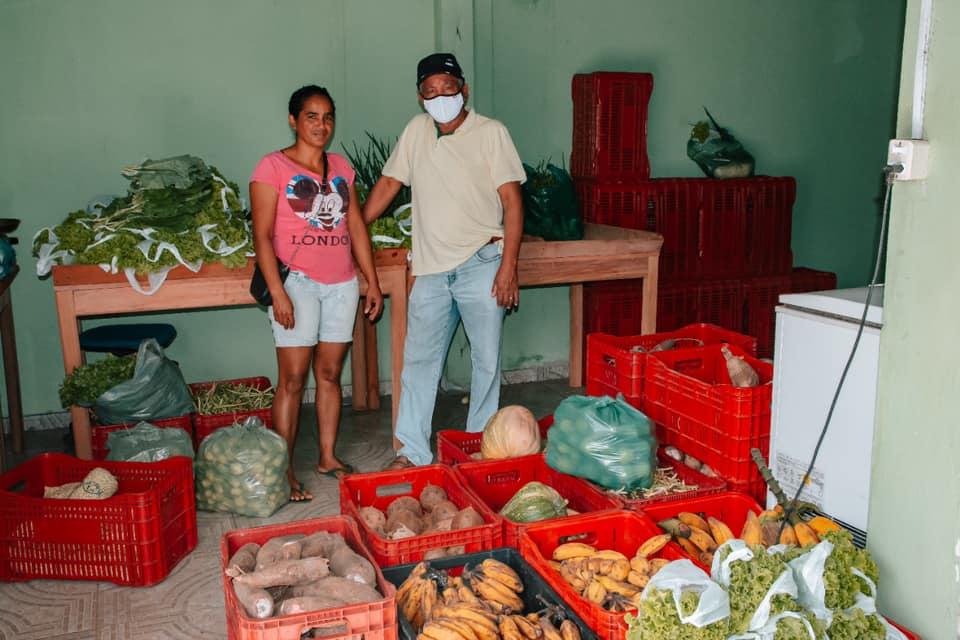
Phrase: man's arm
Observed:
(506, 287)
(380, 197)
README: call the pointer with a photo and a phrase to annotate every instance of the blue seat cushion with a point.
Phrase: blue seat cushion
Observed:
(125, 338)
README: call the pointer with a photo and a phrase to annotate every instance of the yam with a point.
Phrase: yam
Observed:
(373, 518)
(404, 503)
(342, 589)
(444, 510)
(254, 600)
(346, 563)
(280, 548)
(435, 554)
(404, 518)
(287, 572)
(309, 603)
(321, 543)
(431, 496)
(467, 518)
(244, 560)
(456, 551)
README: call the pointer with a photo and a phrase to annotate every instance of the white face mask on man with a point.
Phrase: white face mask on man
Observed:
(444, 109)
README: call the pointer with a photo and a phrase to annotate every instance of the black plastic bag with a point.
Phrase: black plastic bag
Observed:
(717, 152)
(550, 208)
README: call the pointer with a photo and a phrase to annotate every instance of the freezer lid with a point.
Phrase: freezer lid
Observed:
(839, 303)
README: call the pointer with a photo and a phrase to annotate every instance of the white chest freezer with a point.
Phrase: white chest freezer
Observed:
(814, 335)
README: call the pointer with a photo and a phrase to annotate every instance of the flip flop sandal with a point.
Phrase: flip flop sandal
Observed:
(302, 491)
(335, 473)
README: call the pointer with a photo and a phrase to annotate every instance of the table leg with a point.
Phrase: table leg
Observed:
(648, 313)
(73, 358)
(358, 362)
(576, 335)
(398, 333)
(372, 366)
(11, 371)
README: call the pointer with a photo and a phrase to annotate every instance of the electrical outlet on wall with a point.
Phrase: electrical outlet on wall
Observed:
(913, 155)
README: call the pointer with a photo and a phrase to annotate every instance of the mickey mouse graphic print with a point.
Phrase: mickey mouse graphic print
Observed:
(310, 231)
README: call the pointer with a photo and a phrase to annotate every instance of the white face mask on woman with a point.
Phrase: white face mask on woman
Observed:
(444, 109)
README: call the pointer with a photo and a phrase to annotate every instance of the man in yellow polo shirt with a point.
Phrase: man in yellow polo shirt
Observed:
(465, 176)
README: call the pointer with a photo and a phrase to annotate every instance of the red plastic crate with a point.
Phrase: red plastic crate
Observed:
(707, 417)
(910, 634)
(706, 485)
(723, 221)
(615, 307)
(613, 364)
(622, 531)
(769, 224)
(496, 481)
(761, 296)
(373, 620)
(669, 207)
(204, 425)
(455, 446)
(134, 538)
(100, 433)
(729, 507)
(755, 487)
(720, 302)
(804, 279)
(610, 125)
(380, 489)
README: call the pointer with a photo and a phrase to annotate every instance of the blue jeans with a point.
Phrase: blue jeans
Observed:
(437, 303)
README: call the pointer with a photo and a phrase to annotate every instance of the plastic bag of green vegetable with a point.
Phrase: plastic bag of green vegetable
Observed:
(534, 502)
(147, 443)
(242, 469)
(604, 440)
(681, 601)
(550, 207)
(156, 390)
(717, 152)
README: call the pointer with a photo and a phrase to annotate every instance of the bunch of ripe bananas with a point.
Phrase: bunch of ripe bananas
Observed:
(482, 604)
(701, 536)
(607, 577)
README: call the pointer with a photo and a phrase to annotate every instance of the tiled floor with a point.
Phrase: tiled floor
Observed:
(189, 603)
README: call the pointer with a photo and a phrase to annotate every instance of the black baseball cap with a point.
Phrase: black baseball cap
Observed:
(438, 63)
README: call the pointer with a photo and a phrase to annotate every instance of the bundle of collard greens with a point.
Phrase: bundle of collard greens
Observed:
(750, 580)
(855, 624)
(842, 584)
(177, 211)
(658, 619)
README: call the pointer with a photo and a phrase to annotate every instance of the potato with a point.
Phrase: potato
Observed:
(444, 510)
(467, 518)
(321, 543)
(244, 560)
(287, 572)
(443, 525)
(347, 591)
(401, 532)
(431, 496)
(404, 518)
(373, 518)
(346, 563)
(407, 503)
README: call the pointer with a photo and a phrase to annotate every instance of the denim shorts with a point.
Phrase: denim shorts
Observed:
(321, 312)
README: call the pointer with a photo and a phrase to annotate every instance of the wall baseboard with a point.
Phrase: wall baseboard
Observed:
(540, 373)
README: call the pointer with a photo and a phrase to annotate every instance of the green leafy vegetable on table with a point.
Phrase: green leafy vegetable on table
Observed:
(385, 231)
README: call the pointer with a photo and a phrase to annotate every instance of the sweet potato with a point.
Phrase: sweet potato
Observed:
(287, 572)
(373, 518)
(405, 503)
(321, 543)
(244, 560)
(431, 496)
(467, 518)
(346, 563)
(444, 510)
(255, 601)
(404, 518)
(342, 589)
(279, 548)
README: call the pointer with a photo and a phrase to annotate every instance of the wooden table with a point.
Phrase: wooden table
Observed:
(11, 370)
(605, 253)
(85, 291)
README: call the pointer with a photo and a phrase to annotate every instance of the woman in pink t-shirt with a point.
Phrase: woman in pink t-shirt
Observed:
(307, 217)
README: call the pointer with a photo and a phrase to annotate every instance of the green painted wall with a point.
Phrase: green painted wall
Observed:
(91, 86)
(915, 492)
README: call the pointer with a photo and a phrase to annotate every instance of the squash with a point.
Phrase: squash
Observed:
(510, 432)
(534, 502)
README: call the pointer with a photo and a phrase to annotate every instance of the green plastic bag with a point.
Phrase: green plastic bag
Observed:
(148, 443)
(156, 390)
(550, 207)
(604, 440)
(243, 469)
(717, 152)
